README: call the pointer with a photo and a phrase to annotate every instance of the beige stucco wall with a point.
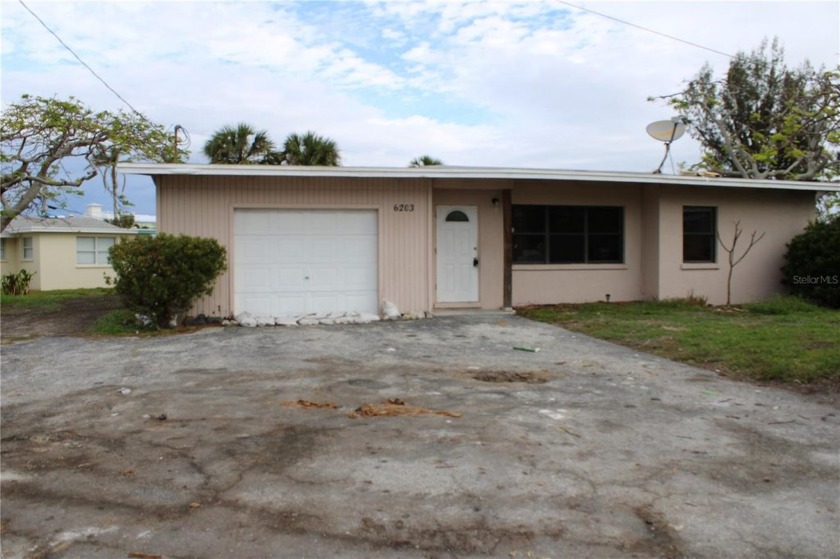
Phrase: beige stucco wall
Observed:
(204, 206)
(56, 255)
(578, 283)
(781, 215)
(14, 261)
(53, 262)
(10, 264)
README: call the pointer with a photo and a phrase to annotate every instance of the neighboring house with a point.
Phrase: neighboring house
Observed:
(62, 252)
(145, 224)
(317, 239)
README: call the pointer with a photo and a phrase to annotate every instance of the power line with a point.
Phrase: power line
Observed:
(645, 29)
(82, 62)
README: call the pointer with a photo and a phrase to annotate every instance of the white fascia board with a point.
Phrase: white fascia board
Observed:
(486, 173)
(84, 230)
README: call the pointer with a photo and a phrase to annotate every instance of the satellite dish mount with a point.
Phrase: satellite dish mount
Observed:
(666, 131)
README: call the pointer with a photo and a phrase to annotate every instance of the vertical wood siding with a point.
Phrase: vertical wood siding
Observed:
(204, 206)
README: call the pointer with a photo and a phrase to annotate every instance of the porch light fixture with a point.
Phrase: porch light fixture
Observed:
(495, 202)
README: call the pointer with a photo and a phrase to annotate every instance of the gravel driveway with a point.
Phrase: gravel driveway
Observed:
(235, 442)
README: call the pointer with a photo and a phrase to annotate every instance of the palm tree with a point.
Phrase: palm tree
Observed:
(310, 149)
(240, 145)
(425, 161)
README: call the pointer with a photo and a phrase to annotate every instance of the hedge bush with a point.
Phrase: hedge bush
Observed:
(160, 276)
(812, 263)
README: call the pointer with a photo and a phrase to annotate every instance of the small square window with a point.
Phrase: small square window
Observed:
(93, 250)
(699, 234)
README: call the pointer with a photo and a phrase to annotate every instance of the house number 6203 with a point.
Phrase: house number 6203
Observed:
(403, 207)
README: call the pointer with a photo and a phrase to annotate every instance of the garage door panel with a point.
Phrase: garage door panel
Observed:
(253, 248)
(288, 248)
(257, 279)
(324, 278)
(290, 279)
(289, 304)
(287, 222)
(253, 223)
(323, 250)
(323, 303)
(305, 261)
(360, 300)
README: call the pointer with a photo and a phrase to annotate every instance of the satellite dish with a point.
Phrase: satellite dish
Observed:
(666, 131)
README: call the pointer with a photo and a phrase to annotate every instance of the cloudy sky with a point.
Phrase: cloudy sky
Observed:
(498, 83)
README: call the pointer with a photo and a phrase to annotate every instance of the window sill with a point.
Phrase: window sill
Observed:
(700, 266)
(86, 266)
(567, 267)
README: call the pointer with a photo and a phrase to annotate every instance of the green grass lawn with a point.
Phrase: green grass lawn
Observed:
(49, 301)
(782, 339)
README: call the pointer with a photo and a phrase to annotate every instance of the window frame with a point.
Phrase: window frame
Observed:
(711, 235)
(96, 252)
(2, 249)
(586, 235)
(24, 248)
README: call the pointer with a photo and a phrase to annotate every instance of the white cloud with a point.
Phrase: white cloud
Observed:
(520, 83)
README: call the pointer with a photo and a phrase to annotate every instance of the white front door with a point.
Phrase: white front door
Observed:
(457, 254)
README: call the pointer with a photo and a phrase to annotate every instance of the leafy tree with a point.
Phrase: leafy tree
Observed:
(40, 137)
(310, 149)
(124, 220)
(240, 145)
(764, 120)
(812, 263)
(425, 161)
(160, 276)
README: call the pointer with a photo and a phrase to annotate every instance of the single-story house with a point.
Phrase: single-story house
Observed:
(319, 239)
(61, 252)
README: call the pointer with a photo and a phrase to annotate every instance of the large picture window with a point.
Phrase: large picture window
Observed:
(699, 234)
(568, 234)
(93, 250)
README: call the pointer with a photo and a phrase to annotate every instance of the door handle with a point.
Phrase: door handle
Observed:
(475, 262)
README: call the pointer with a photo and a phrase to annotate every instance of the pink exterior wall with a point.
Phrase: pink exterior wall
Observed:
(578, 283)
(652, 267)
(204, 206)
(779, 214)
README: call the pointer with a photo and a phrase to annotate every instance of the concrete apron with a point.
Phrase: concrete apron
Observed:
(237, 441)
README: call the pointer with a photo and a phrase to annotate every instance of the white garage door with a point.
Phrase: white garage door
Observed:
(296, 262)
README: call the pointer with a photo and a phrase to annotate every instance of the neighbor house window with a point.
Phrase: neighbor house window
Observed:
(2, 249)
(568, 234)
(93, 250)
(28, 251)
(699, 234)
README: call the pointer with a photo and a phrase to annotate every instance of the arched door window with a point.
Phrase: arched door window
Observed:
(457, 215)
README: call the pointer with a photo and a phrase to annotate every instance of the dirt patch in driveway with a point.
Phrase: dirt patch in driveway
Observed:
(74, 317)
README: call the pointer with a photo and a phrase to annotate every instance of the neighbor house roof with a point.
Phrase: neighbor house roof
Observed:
(72, 224)
(451, 172)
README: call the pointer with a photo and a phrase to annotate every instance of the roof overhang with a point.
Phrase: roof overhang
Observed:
(479, 173)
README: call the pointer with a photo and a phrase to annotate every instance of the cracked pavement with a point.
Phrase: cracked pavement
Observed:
(583, 449)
